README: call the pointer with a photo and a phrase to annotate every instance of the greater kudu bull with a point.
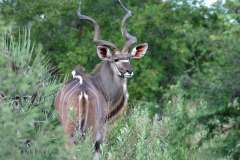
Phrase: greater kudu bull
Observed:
(99, 97)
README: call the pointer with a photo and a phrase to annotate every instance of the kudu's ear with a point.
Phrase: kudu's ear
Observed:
(139, 51)
(104, 52)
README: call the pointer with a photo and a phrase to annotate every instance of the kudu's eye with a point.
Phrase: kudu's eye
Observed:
(116, 60)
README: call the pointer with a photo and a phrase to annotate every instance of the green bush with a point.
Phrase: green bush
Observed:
(28, 122)
(199, 130)
(136, 137)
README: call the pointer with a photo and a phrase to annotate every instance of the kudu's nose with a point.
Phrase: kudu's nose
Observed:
(130, 71)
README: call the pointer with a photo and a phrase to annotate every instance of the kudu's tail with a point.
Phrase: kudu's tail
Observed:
(83, 109)
(83, 103)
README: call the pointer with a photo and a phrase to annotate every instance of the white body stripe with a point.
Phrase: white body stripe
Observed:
(98, 135)
(68, 95)
(79, 112)
(124, 60)
(125, 91)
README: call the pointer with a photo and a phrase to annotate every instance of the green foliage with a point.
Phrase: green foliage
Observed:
(223, 73)
(137, 137)
(21, 74)
(197, 131)
(218, 84)
(29, 127)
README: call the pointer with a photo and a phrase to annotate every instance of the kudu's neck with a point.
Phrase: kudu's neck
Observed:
(110, 84)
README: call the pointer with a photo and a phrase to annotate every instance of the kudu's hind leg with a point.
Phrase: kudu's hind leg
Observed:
(69, 129)
(99, 138)
(97, 150)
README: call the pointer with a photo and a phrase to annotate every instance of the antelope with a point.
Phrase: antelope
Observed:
(101, 96)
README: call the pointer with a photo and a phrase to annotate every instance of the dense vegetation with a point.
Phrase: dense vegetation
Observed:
(187, 105)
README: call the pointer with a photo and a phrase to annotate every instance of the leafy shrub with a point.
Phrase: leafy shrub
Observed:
(197, 130)
(136, 137)
(29, 125)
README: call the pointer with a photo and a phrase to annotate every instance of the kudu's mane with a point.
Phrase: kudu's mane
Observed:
(96, 68)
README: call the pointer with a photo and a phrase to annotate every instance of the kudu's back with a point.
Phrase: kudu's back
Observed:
(80, 108)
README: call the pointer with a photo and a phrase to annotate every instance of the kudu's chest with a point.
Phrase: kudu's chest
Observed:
(115, 93)
(118, 102)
